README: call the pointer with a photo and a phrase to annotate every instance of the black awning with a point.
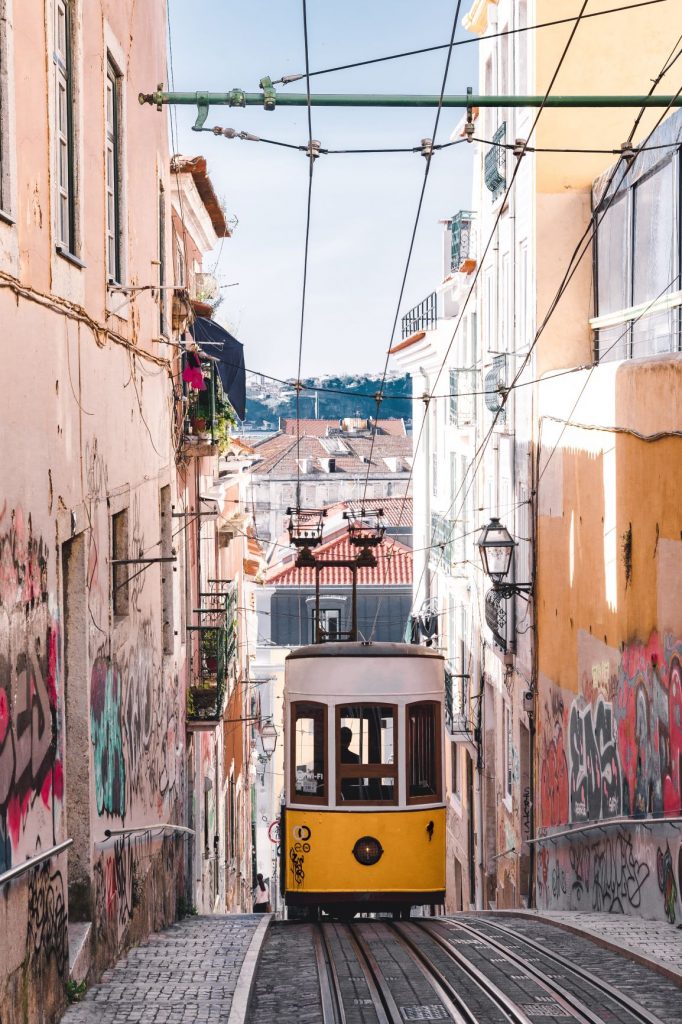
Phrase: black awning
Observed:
(229, 354)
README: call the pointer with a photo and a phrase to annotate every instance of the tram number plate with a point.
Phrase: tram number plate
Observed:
(432, 1012)
(544, 1010)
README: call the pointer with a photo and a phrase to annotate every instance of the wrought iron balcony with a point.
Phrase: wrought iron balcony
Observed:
(463, 396)
(457, 710)
(213, 651)
(495, 163)
(461, 246)
(423, 317)
(494, 384)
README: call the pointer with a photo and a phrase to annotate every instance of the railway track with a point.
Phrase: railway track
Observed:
(373, 972)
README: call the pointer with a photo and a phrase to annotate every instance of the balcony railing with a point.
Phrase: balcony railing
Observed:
(462, 247)
(457, 710)
(495, 163)
(213, 652)
(493, 385)
(462, 396)
(423, 317)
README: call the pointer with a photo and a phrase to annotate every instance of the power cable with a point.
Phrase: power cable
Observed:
(408, 261)
(491, 236)
(288, 79)
(574, 262)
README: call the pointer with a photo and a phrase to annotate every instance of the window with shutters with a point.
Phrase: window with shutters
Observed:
(65, 143)
(112, 171)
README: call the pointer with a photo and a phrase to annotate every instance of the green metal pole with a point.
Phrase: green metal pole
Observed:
(237, 98)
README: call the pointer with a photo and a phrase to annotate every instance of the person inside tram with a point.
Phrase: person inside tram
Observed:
(350, 788)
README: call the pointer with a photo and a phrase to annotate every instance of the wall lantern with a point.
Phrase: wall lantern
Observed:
(268, 737)
(496, 546)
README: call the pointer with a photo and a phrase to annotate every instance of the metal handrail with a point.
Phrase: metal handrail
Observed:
(8, 876)
(160, 826)
(603, 825)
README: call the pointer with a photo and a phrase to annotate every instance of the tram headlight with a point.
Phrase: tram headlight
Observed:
(367, 850)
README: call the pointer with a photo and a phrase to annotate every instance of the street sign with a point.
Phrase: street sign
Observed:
(273, 831)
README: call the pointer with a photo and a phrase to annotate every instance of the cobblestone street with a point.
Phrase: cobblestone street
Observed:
(186, 973)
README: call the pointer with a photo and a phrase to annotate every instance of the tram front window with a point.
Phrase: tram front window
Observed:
(365, 749)
(308, 721)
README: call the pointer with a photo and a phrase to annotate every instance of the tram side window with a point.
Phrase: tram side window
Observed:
(423, 752)
(365, 754)
(308, 727)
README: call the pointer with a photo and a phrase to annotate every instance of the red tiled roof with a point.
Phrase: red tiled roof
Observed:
(397, 511)
(394, 566)
(280, 455)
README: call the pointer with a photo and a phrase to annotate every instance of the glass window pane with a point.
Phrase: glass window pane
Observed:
(309, 767)
(614, 343)
(613, 247)
(422, 750)
(368, 788)
(366, 735)
(656, 230)
(656, 334)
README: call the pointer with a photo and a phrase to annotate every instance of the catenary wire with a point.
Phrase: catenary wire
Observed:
(489, 243)
(288, 79)
(417, 217)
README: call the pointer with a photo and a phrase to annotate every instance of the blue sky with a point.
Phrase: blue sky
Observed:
(363, 207)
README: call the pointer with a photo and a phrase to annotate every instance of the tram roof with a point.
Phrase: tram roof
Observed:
(349, 649)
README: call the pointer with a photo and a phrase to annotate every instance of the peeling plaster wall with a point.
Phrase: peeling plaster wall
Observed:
(610, 646)
(87, 422)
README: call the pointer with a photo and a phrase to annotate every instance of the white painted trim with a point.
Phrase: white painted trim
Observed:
(671, 301)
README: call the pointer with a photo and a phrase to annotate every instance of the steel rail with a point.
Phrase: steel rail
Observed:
(632, 1007)
(333, 1010)
(560, 993)
(384, 1004)
(33, 862)
(505, 1003)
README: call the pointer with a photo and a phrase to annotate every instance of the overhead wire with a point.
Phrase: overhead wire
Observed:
(574, 262)
(489, 243)
(288, 79)
(413, 236)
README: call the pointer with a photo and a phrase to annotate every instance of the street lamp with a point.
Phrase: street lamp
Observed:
(496, 546)
(268, 737)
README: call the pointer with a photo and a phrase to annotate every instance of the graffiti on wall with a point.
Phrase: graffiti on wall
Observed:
(595, 778)
(47, 931)
(31, 768)
(134, 729)
(624, 730)
(553, 765)
(666, 881)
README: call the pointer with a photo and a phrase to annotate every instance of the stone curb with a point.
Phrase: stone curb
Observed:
(242, 993)
(671, 973)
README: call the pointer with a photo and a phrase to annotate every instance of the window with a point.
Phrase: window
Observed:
(366, 763)
(120, 573)
(638, 264)
(112, 171)
(456, 774)
(330, 624)
(63, 60)
(507, 752)
(166, 513)
(423, 752)
(162, 260)
(309, 728)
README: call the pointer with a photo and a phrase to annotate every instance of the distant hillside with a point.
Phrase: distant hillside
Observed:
(348, 395)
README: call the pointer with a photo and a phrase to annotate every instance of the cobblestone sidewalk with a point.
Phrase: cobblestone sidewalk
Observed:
(656, 941)
(184, 974)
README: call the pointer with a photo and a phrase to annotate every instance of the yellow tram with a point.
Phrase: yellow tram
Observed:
(363, 822)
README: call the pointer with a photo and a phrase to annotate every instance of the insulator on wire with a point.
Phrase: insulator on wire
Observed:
(627, 153)
(313, 148)
(469, 129)
(427, 148)
(519, 148)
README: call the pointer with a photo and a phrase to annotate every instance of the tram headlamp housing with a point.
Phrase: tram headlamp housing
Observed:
(367, 850)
